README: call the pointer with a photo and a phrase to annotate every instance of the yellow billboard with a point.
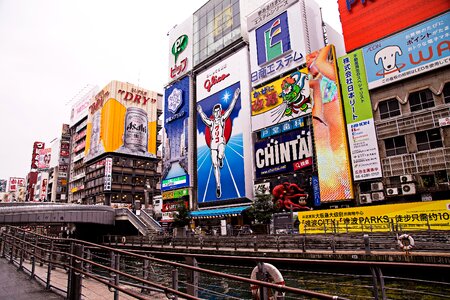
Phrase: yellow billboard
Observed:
(122, 118)
(413, 216)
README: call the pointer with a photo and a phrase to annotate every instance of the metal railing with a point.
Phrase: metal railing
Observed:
(126, 272)
(150, 221)
(138, 223)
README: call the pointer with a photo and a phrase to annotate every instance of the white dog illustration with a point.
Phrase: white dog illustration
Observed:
(388, 57)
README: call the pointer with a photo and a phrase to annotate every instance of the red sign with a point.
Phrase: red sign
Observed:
(35, 156)
(364, 22)
(210, 82)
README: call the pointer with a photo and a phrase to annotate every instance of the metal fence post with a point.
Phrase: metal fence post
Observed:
(116, 278)
(22, 248)
(49, 266)
(74, 285)
(33, 258)
(145, 273)
(192, 277)
(13, 242)
(262, 276)
(255, 244)
(367, 243)
(175, 282)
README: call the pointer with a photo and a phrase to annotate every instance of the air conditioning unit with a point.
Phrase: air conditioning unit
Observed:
(376, 186)
(377, 196)
(392, 191)
(406, 178)
(408, 189)
(365, 198)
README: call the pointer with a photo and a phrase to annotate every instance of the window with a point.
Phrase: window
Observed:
(389, 108)
(429, 139)
(446, 92)
(421, 100)
(395, 146)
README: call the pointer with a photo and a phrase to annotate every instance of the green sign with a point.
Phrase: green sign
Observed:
(179, 46)
(355, 92)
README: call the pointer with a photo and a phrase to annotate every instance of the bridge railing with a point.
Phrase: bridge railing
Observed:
(150, 221)
(91, 267)
(138, 223)
(438, 241)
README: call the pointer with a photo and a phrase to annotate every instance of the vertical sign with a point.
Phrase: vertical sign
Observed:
(108, 174)
(176, 130)
(358, 115)
(180, 43)
(329, 127)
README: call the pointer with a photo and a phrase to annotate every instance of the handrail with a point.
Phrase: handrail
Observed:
(77, 262)
(140, 226)
(150, 221)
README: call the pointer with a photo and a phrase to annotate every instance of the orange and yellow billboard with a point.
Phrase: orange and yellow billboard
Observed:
(366, 22)
(122, 118)
(412, 216)
(333, 161)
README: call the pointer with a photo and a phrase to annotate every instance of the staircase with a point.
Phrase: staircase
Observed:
(153, 226)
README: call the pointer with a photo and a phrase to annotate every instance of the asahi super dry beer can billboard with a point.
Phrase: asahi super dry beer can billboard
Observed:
(122, 118)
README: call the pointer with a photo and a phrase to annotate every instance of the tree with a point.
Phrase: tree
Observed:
(262, 209)
(182, 216)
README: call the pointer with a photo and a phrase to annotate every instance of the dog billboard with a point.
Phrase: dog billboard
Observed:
(414, 51)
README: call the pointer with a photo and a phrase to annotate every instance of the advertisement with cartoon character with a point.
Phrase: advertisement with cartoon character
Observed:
(417, 50)
(223, 131)
(281, 100)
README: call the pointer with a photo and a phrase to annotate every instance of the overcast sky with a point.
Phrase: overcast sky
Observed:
(50, 50)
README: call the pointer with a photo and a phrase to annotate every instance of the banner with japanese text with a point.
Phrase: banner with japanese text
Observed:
(412, 216)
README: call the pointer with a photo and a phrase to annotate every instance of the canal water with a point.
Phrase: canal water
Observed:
(352, 283)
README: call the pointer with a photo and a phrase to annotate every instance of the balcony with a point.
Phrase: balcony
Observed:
(426, 161)
(416, 121)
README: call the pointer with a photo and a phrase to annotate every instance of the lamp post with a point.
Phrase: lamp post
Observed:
(147, 190)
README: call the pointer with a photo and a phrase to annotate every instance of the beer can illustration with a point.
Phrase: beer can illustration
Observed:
(135, 135)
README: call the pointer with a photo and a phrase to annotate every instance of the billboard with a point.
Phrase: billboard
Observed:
(3, 185)
(180, 54)
(35, 156)
(359, 118)
(216, 26)
(15, 183)
(330, 137)
(364, 22)
(176, 132)
(44, 185)
(223, 130)
(274, 48)
(80, 108)
(420, 49)
(413, 216)
(289, 152)
(282, 100)
(123, 119)
(44, 158)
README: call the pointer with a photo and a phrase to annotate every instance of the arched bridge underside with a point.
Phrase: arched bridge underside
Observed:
(27, 213)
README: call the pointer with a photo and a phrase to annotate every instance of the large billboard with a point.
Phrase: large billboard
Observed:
(286, 153)
(223, 130)
(415, 216)
(176, 133)
(277, 39)
(3, 185)
(123, 119)
(282, 100)
(216, 26)
(35, 155)
(45, 156)
(422, 48)
(180, 52)
(15, 183)
(330, 137)
(359, 118)
(364, 22)
(80, 108)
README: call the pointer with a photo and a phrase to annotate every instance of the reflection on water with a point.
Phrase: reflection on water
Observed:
(352, 283)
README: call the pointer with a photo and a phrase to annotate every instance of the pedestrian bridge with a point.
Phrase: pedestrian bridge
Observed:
(47, 213)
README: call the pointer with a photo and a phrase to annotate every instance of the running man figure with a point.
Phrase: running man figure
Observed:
(218, 142)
